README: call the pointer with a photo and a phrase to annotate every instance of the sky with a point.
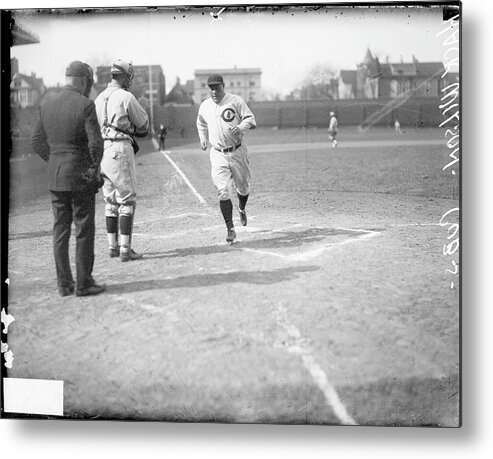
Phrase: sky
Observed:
(284, 45)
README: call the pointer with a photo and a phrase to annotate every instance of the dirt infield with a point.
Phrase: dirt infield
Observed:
(334, 307)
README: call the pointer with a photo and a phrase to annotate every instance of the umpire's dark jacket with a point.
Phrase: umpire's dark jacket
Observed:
(67, 135)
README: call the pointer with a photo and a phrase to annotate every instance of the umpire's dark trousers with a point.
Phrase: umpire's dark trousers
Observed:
(78, 207)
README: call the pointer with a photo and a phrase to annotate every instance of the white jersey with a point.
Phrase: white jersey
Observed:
(333, 124)
(122, 110)
(214, 121)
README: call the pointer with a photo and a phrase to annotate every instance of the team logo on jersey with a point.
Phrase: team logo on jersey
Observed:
(228, 115)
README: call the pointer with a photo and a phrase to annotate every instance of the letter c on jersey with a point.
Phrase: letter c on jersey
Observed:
(228, 115)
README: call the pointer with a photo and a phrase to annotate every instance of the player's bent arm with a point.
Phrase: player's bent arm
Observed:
(143, 130)
(247, 123)
(246, 116)
(137, 116)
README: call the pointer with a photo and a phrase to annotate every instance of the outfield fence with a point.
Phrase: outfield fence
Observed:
(180, 120)
(416, 112)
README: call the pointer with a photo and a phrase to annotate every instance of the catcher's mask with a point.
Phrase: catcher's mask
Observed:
(121, 67)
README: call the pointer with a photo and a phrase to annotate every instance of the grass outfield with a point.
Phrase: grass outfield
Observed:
(346, 133)
(399, 169)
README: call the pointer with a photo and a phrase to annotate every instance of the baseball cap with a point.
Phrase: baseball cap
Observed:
(121, 66)
(215, 79)
(79, 69)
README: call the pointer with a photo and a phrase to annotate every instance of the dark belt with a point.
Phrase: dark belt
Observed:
(227, 150)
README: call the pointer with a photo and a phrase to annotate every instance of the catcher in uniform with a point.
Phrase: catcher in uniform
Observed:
(222, 120)
(121, 118)
(333, 124)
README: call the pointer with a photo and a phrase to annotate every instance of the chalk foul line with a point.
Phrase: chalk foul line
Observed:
(182, 175)
(298, 346)
(185, 179)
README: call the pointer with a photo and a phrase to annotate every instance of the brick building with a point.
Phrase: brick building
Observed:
(244, 82)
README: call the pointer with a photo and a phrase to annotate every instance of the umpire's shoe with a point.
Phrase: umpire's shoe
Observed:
(94, 289)
(66, 291)
(230, 238)
(243, 216)
(129, 254)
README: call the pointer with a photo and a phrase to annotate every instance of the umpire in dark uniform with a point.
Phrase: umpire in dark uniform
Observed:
(67, 135)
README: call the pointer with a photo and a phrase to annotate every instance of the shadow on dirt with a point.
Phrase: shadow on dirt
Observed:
(288, 239)
(208, 280)
(410, 401)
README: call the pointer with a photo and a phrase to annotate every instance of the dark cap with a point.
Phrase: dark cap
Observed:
(215, 79)
(79, 69)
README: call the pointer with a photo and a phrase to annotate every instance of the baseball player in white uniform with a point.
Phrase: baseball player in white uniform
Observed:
(333, 124)
(222, 120)
(121, 118)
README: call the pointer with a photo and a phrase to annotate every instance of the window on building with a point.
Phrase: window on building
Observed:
(232, 84)
(252, 83)
(23, 97)
(238, 83)
(399, 88)
(427, 88)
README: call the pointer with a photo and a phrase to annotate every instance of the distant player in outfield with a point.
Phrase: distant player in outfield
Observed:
(162, 136)
(333, 125)
(222, 120)
(397, 127)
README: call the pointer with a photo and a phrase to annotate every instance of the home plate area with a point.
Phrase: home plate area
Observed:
(297, 243)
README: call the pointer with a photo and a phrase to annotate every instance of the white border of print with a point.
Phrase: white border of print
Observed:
(81, 439)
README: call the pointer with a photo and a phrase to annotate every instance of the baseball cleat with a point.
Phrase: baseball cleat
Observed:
(114, 252)
(131, 255)
(243, 216)
(231, 236)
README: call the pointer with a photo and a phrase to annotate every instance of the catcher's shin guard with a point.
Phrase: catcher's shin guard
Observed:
(112, 234)
(126, 230)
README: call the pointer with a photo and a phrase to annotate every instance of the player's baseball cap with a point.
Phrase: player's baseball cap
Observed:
(120, 67)
(215, 79)
(79, 69)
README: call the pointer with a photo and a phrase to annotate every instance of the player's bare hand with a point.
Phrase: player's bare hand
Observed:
(235, 130)
(203, 145)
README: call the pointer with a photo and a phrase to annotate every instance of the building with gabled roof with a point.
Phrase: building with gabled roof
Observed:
(373, 79)
(25, 91)
(347, 82)
(179, 94)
